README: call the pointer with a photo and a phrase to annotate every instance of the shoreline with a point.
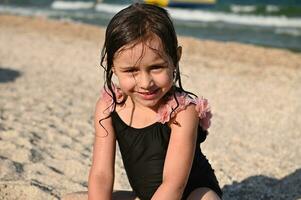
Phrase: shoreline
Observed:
(279, 37)
(92, 32)
(50, 80)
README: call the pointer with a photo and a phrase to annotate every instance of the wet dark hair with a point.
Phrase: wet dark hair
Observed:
(134, 24)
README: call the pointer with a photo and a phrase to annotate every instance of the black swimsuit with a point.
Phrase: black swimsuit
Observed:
(143, 152)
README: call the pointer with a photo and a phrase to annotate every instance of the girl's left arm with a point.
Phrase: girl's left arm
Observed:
(179, 155)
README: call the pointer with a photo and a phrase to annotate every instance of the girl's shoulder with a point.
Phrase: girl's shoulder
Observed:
(178, 102)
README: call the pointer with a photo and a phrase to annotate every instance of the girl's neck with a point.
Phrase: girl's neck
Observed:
(129, 104)
(136, 115)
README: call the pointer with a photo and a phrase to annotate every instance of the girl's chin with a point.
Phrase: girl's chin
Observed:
(153, 103)
(148, 103)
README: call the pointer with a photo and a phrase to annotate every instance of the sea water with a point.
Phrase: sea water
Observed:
(274, 23)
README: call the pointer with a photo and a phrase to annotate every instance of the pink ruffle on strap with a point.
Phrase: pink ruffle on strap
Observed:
(106, 96)
(202, 107)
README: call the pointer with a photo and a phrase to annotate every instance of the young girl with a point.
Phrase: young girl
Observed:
(158, 125)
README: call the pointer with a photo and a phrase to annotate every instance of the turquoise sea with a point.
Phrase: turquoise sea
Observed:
(274, 23)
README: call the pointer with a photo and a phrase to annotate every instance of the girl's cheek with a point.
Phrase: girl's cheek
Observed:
(126, 83)
(123, 77)
(165, 79)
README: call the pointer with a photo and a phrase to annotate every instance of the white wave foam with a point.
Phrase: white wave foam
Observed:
(74, 5)
(198, 15)
(272, 8)
(110, 8)
(291, 32)
(207, 16)
(242, 9)
(191, 15)
(21, 11)
(61, 14)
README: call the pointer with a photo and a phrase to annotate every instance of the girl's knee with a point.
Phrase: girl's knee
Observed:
(203, 194)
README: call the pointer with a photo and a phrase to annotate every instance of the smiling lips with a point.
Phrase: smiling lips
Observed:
(149, 95)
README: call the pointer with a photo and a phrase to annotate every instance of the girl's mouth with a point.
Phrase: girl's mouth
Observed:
(149, 94)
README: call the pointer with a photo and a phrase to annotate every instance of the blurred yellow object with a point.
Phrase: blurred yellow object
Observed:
(162, 3)
(179, 3)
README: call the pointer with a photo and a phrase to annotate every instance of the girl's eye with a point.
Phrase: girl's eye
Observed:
(157, 68)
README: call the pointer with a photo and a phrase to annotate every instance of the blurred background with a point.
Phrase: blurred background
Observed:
(272, 23)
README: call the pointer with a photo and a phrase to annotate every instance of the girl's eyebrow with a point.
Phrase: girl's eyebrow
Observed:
(158, 63)
(129, 68)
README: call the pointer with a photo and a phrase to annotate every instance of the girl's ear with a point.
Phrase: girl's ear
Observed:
(113, 70)
(179, 53)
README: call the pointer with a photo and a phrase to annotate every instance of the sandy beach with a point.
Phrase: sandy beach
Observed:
(50, 79)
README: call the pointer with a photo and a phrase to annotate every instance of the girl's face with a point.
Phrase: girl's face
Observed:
(143, 73)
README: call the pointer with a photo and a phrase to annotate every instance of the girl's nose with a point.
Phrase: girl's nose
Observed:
(146, 81)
